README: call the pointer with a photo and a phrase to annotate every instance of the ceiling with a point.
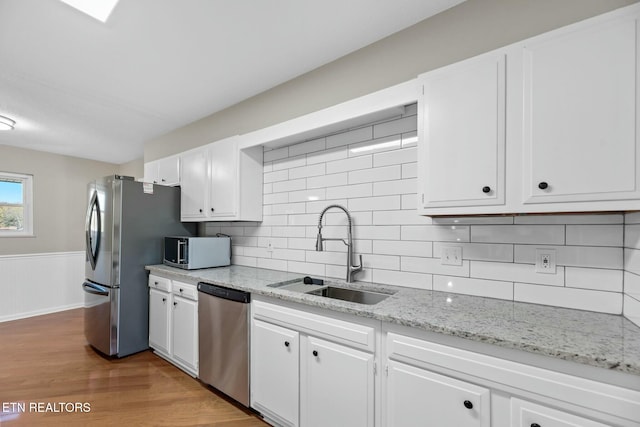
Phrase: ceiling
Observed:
(78, 87)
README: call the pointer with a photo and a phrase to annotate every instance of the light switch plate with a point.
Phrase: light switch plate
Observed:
(451, 255)
(545, 261)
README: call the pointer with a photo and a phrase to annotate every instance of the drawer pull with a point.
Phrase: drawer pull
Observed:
(535, 425)
(486, 189)
(286, 343)
(543, 185)
(315, 353)
(468, 404)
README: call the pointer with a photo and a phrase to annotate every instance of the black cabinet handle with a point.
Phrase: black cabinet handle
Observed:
(286, 343)
(535, 425)
(175, 303)
(163, 180)
(200, 210)
(212, 209)
(155, 283)
(315, 353)
(468, 404)
(486, 189)
(543, 185)
(180, 290)
(164, 299)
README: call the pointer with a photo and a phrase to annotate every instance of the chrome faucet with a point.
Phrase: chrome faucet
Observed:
(351, 269)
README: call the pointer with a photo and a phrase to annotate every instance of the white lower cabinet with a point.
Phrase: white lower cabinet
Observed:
(419, 397)
(173, 322)
(527, 414)
(311, 370)
(337, 385)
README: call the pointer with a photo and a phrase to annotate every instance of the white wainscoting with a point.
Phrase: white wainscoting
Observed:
(35, 284)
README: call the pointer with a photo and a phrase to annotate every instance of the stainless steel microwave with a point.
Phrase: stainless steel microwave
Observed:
(191, 253)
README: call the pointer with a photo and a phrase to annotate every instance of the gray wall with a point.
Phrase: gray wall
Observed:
(134, 168)
(59, 198)
(471, 28)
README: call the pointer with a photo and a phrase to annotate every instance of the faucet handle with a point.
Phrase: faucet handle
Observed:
(356, 268)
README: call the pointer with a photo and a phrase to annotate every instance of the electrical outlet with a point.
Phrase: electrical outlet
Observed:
(451, 255)
(269, 246)
(546, 261)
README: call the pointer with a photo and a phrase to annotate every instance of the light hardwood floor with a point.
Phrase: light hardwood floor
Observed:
(46, 360)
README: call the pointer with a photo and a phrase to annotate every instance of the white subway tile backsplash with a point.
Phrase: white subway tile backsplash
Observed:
(472, 286)
(479, 251)
(350, 191)
(433, 266)
(290, 185)
(307, 171)
(599, 279)
(515, 273)
(632, 309)
(394, 247)
(574, 256)
(350, 137)
(632, 285)
(279, 153)
(386, 173)
(374, 203)
(595, 235)
(403, 278)
(632, 236)
(534, 234)
(307, 147)
(327, 155)
(327, 181)
(454, 233)
(399, 217)
(570, 219)
(409, 170)
(350, 164)
(372, 171)
(395, 157)
(583, 299)
(401, 186)
(394, 127)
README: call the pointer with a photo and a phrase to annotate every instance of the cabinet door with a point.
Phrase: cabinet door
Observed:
(526, 414)
(461, 125)
(417, 397)
(338, 385)
(275, 372)
(169, 171)
(159, 320)
(151, 172)
(580, 115)
(223, 156)
(185, 331)
(194, 186)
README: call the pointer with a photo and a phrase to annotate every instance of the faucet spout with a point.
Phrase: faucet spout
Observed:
(351, 268)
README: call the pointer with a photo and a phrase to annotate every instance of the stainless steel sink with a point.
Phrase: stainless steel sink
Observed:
(351, 295)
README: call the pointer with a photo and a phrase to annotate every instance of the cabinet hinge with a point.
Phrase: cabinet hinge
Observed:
(423, 198)
(375, 369)
(386, 370)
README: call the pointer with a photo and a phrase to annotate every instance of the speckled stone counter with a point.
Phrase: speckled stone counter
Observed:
(589, 338)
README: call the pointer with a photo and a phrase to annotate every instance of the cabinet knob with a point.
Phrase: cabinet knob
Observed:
(212, 209)
(543, 185)
(175, 303)
(315, 353)
(286, 343)
(156, 283)
(180, 290)
(163, 180)
(468, 404)
(200, 210)
(164, 300)
(486, 189)
(535, 425)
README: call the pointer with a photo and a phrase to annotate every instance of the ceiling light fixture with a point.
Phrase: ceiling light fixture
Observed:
(99, 10)
(6, 123)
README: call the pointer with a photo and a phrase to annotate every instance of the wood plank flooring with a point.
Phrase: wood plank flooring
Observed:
(46, 360)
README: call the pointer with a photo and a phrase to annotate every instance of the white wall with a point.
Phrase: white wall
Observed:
(35, 284)
(402, 248)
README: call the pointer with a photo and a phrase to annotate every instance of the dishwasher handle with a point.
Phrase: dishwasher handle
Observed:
(224, 293)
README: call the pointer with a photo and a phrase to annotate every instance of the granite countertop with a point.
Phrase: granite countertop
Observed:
(602, 340)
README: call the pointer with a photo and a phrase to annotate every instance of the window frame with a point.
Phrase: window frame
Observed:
(27, 204)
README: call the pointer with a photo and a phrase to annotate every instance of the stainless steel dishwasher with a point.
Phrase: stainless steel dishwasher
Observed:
(223, 329)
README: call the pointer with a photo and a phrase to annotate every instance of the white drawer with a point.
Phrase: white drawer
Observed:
(185, 290)
(160, 283)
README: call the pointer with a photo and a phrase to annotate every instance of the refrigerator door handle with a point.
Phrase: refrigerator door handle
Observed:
(92, 288)
(93, 220)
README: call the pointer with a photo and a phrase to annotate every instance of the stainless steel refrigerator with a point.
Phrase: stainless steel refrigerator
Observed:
(125, 225)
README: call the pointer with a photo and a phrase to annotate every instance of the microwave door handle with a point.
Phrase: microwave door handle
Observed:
(181, 245)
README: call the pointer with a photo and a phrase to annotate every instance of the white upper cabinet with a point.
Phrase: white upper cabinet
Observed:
(579, 115)
(462, 126)
(549, 124)
(221, 182)
(164, 171)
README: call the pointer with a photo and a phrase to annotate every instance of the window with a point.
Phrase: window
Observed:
(16, 204)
